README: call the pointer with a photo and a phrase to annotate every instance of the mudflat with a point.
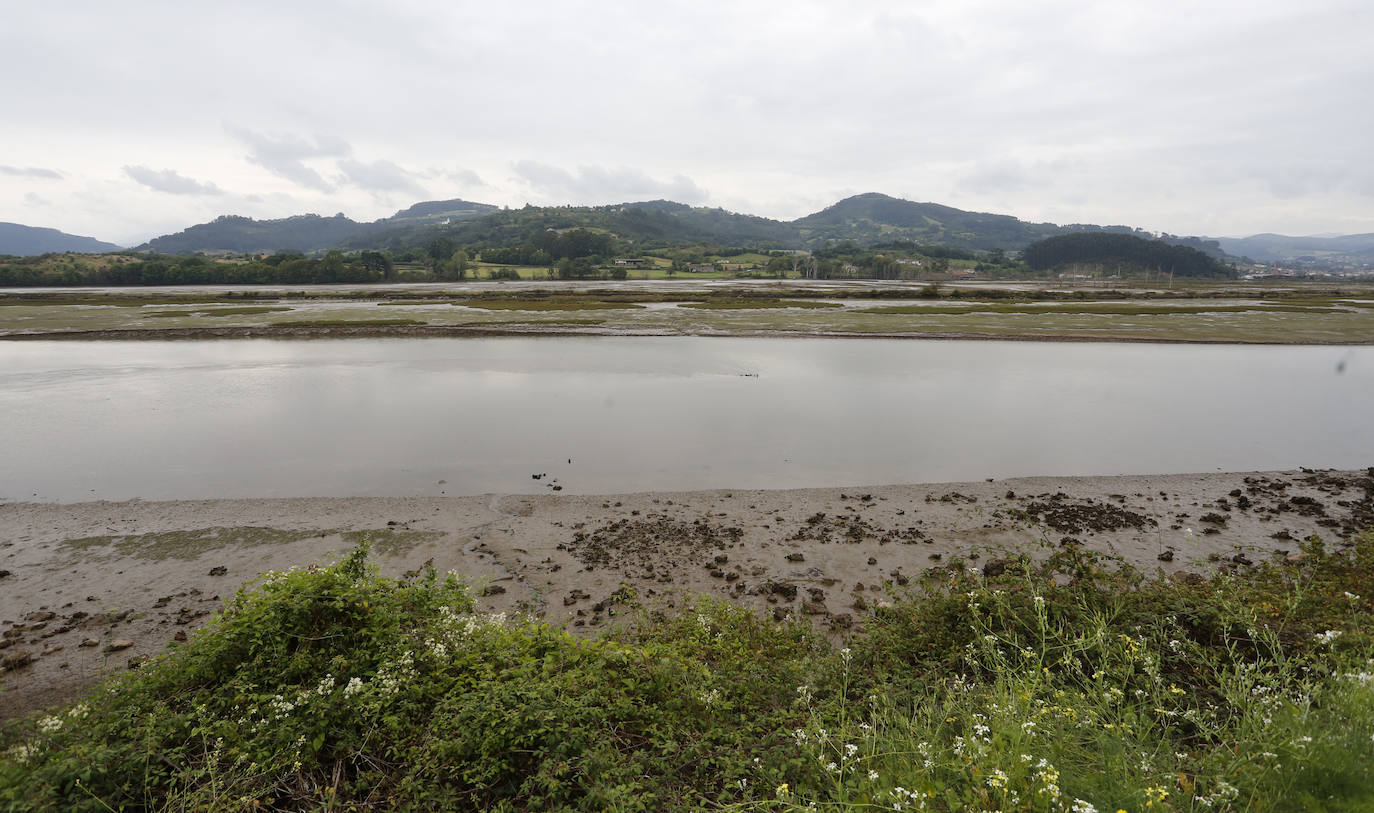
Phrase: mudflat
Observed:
(91, 589)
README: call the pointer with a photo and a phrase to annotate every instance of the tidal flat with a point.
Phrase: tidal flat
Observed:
(1263, 313)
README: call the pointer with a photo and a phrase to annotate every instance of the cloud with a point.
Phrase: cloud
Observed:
(379, 176)
(999, 176)
(171, 182)
(285, 155)
(594, 184)
(466, 177)
(31, 172)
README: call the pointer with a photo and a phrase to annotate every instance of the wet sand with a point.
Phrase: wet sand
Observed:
(90, 588)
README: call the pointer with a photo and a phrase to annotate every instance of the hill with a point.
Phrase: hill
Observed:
(1357, 249)
(310, 232)
(1121, 251)
(644, 225)
(872, 218)
(25, 241)
(863, 220)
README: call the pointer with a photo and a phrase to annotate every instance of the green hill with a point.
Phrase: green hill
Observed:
(26, 241)
(311, 232)
(1124, 252)
(873, 218)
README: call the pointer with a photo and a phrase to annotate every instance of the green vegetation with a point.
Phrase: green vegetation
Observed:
(1071, 684)
(246, 311)
(547, 304)
(350, 322)
(748, 303)
(1122, 252)
(1101, 309)
(192, 544)
(187, 545)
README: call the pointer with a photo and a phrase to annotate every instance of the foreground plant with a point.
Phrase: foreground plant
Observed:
(1108, 692)
(1075, 684)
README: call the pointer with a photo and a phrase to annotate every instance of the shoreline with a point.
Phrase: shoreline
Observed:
(93, 587)
(478, 331)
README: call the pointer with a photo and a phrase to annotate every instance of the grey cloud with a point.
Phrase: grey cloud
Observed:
(989, 177)
(379, 176)
(466, 177)
(171, 182)
(285, 155)
(604, 185)
(31, 172)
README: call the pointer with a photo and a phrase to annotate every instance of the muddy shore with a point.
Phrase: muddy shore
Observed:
(535, 329)
(90, 589)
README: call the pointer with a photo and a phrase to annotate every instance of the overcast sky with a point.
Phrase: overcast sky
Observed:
(127, 120)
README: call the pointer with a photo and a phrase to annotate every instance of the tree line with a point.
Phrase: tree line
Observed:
(1123, 251)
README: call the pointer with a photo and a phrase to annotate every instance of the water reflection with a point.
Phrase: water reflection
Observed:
(163, 420)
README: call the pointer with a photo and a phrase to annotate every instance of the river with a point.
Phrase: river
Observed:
(375, 417)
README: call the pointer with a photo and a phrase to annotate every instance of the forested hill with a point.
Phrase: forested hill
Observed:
(646, 225)
(1121, 252)
(875, 218)
(863, 220)
(240, 235)
(25, 241)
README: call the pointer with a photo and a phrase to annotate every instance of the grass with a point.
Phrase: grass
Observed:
(349, 323)
(244, 311)
(186, 545)
(538, 322)
(1070, 684)
(1101, 309)
(746, 303)
(547, 304)
(192, 544)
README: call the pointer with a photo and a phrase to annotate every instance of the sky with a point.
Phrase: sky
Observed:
(123, 121)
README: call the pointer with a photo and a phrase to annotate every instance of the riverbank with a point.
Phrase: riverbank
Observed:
(94, 587)
(363, 330)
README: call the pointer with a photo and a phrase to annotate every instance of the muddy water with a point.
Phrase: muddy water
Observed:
(170, 420)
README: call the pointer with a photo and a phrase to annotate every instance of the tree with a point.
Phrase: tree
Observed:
(440, 250)
(456, 267)
(376, 262)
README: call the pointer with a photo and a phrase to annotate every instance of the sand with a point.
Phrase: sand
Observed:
(90, 589)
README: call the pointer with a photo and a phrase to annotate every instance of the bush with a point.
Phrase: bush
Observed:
(1072, 684)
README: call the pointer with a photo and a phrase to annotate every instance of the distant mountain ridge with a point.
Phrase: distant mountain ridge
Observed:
(873, 217)
(310, 232)
(25, 241)
(1354, 248)
(867, 219)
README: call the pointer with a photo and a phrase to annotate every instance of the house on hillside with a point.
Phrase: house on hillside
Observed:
(631, 262)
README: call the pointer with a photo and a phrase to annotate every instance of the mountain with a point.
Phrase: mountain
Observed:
(24, 241)
(1357, 249)
(873, 218)
(244, 235)
(645, 225)
(311, 232)
(864, 220)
